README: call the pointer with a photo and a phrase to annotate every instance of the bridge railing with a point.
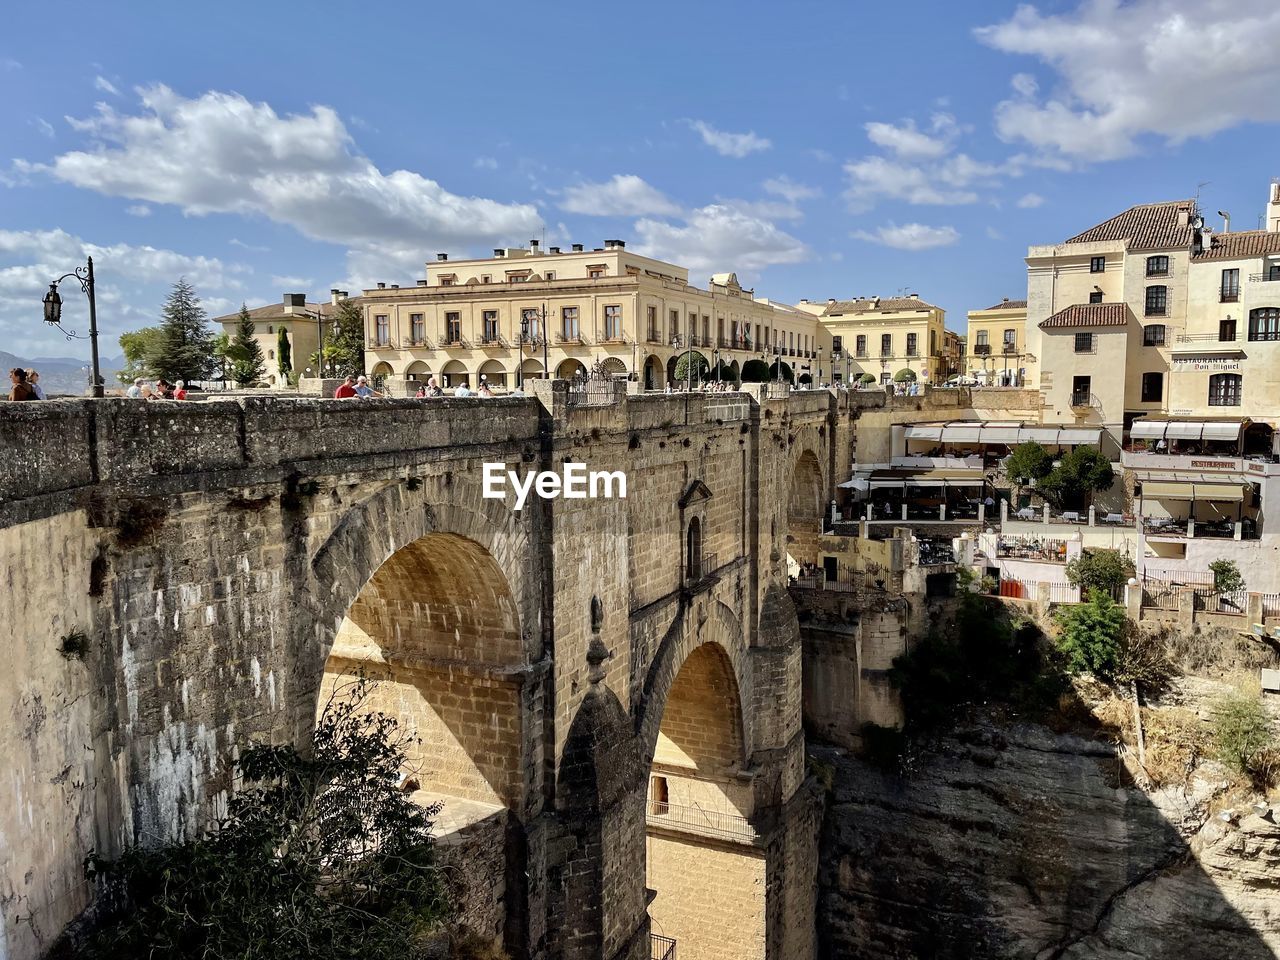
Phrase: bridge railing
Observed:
(700, 821)
(661, 948)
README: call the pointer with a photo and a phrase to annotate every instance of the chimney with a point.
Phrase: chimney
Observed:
(422, 283)
(916, 296)
(1184, 216)
(499, 252)
(1226, 221)
(344, 295)
(555, 249)
(577, 248)
(395, 286)
(293, 301)
(614, 245)
(334, 295)
(1273, 208)
(382, 286)
(442, 257)
(533, 246)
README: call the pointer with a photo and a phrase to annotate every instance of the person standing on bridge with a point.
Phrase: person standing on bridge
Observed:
(21, 389)
(346, 389)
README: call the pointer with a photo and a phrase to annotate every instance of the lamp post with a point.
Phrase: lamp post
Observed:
(53, 317)
(818, 352)
(532, 338)
(715, 358)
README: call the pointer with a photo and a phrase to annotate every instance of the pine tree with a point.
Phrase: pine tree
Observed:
(284, 352)
(348, 339)
(248, 366)
(186, 349)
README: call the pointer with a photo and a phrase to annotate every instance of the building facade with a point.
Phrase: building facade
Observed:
(884, 339)
(526, 312)
(996, 346)
(300, 321)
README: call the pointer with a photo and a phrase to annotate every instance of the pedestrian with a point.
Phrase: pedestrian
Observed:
(21, 390)
(33, 381)
(135, 392)
(164, 390)
(346, 389)
(433, 388)
(422, 392)
(484, 390)
(364, 391)
(180, 390)
(463, 390)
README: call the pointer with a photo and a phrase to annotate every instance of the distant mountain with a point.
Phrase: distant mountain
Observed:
(63, 376)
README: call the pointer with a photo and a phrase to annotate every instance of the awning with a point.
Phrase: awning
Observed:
(1222, 431)
(967, 433)
(1075, 436)
(1232, 492)
(1168, 491)
(1001, 434)
(1148, 429)
(1047, 435)
(924, 432)
(857, 483)
(886, 484)
(1184, 430)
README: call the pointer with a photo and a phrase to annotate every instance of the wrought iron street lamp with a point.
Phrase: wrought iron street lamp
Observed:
(53, 317)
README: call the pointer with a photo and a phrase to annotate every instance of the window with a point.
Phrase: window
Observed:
(1010, 341)
(613, 321)
(1153, 335)
(382, 328)
(1152, 387)
(270, 329)
(1264, 323)
(983, 338)
(861, 345)
(1227, 330)
(486, 278)
(693, 329)
(517, 277)
(933, 343)
(720, 340)
(271, 354)
(595, 273)
(1157, 301)
(1097, 264)
(1081, 391)
(490, 326)
(706, 330)
(1224, 390)
(446, 281)
(1157, 266)
(569, 323)
(1273, 271)
(1230, 285)
(1084, 343)
(675, 324)
(417, 328)
(1095, 296)
(911, 345)
(886, 344)
(693, 551)
(654, 336)
(453, 327)
(550, 275)
(837, 344)
(659, 798)
(530, 324)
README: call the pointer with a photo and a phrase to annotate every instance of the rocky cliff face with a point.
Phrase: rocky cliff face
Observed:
(1018, 842)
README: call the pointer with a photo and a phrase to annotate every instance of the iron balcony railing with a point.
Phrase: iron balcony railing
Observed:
(981, 349)
(1264, 277)
(1206, 338)
(661, 948)
(381, 343)
(696, 820)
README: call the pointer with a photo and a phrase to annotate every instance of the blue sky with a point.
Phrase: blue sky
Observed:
(818, 149)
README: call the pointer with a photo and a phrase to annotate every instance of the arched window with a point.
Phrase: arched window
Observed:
(597, 614)
(693, 550)
(270, 329)
(1264, 323)
(1224, 390)
(271, 354)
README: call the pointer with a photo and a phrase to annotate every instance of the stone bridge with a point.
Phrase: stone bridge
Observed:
(607, 691)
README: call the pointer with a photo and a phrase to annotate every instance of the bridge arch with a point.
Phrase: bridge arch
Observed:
(804, 509)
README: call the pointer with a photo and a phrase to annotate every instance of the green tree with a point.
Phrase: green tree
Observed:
(1226, 576)
(284, 352)
(1101, 570)
(221, 355)
(347, 339)
(185, 351)
(248, 365)
(1080, 473)
(755, 371)
(1241, 732)
(905, 375)
(787, 374)
(1028, 461)
(140, 348)
(867, 379)
(1092, 636)
(320, 855)
(691, 359)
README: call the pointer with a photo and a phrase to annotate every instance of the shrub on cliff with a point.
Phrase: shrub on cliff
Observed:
(1093, 636)
(322, 856)
(1103, 571)
(1243, 738)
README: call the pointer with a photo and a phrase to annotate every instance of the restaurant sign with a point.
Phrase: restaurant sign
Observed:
(1210, 363)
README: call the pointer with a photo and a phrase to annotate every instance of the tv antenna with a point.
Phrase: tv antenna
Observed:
(1199, 186)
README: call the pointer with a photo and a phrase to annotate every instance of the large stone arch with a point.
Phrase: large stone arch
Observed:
(806, 496)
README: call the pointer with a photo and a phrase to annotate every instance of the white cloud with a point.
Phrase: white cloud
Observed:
(235, 242)
(880, 178)
(791, 191)
(44, 126)
(1174, 69)
(485, 163)
(131, 281)
(994, 234)
(7, 63)
(720, 237)
(625, 195)
(909, 143)
(1029, 201)
(729, 144)
(138, 210)
(105, 85)
(219, 153)
(910, 236)
(294, 284)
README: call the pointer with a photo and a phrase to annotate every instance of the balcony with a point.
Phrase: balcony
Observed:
(420, 342)
(982, 349)
(381, 343)
(492, 341)
(1271, 277)
(1010, 349)
(1083, 398)
(1227, 297)
(454, 341)
(653, 336)
(696, 820)
(1206, 338)
(661, 948)
(571, 338)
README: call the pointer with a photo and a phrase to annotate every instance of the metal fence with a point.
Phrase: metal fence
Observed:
(1160, 594)
(661, 948)
(1271, 604)
(696, 819)
(1219, 601)
(1063, 593)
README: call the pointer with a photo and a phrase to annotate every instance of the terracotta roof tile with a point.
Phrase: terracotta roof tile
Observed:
(1237, 246)
(869, 304)
(276, 311)
(1148, 226)
(1090, 315)
(1009, 305)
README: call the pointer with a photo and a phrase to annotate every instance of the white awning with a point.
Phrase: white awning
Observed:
(1148, 429)
(1184, 430)
(1077, 436)
(965, 483)
(886, 484)
(927, 431)
(857, 483)
(1042, 435)
(1232, 492)
(1222, 431)
(1160, 490)
(966, 433)
(1001, 434)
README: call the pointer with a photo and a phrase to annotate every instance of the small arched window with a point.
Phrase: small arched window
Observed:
(693, 550)
(597, 614)
(270, 329)
(271, 354)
